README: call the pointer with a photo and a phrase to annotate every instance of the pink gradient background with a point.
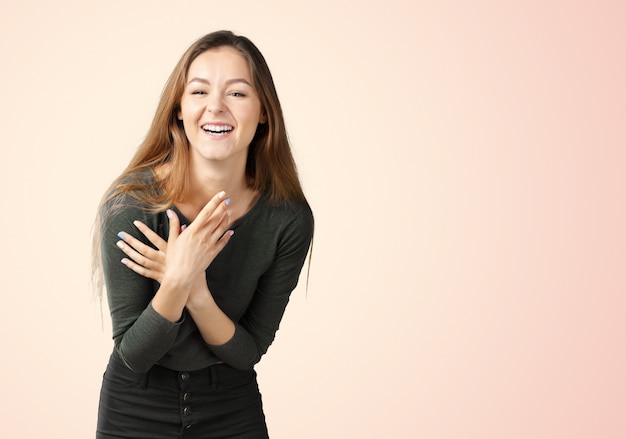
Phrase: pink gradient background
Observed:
(466, 165)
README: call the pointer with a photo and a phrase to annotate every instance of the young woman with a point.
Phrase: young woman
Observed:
(201, 241)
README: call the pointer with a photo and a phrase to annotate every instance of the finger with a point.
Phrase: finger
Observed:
(219, 222)
(141, 248)
(221, 243)
(220, 230)
(209, 208)
(155, 239)
(174, 225)
(143, 271)
(223, 224)
(137, 257)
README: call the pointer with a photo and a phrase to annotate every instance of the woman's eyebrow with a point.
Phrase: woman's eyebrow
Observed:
(228, 82)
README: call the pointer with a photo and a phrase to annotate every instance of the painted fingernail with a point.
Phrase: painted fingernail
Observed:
(231, 232)
(227, 201)
(120, 244)
(124, 261)
(221, 195)
(169, 213)
(121, 235)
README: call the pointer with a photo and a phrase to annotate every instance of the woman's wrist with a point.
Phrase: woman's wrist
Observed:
(170, 299)
(199, 297)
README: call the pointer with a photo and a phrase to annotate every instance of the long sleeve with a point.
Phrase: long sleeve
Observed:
(256, 330)
(141, 335)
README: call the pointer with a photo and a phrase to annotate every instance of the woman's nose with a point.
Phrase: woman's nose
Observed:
(215, 104)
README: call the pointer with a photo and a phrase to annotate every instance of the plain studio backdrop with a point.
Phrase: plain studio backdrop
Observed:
(466, 165)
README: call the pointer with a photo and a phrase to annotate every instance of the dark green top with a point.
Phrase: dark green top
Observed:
(251, 280)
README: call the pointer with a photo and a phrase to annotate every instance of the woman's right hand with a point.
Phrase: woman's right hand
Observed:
(190, 253)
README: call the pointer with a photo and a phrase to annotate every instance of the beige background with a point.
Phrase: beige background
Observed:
(465, 163)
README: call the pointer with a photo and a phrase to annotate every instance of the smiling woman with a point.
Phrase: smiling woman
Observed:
(200, 242)
(220, 108)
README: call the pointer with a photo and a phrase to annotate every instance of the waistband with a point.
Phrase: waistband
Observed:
(214, 376)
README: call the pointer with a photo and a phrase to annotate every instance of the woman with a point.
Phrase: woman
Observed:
(202, 239)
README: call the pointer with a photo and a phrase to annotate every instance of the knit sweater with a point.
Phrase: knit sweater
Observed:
(251, 280)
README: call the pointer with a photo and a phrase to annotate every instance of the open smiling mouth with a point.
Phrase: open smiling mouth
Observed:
(217, 130)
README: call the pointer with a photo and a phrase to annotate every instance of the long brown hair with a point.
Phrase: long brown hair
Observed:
(270, 166)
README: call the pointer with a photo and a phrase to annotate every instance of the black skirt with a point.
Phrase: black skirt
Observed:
(215, 402)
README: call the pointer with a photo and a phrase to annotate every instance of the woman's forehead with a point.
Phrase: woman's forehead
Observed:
(221, 63)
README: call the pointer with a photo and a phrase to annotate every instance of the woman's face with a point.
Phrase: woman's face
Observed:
(220, 108)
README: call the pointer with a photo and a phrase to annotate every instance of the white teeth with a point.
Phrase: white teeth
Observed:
(217, 128)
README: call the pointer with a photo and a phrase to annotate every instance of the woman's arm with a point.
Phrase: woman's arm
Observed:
(145, 321)
(243, 343)
(256, 330)
(141, 335)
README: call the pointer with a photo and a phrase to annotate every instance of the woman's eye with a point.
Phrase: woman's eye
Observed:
(237, 94)
(198, 92)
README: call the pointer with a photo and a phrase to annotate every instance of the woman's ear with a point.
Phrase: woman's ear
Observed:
(263, 117)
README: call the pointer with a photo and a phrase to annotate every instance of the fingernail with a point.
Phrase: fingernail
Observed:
(121, 235)
(169, 213)
(231, 232)
(124, 261)
(221, 195)
(227, 201)
(120, 244)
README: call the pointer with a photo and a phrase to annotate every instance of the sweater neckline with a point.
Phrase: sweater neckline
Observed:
(256, 206)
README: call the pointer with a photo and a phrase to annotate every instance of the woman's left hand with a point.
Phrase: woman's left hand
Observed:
(143, 259)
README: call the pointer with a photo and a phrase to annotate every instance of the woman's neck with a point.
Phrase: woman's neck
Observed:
(206, 182)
